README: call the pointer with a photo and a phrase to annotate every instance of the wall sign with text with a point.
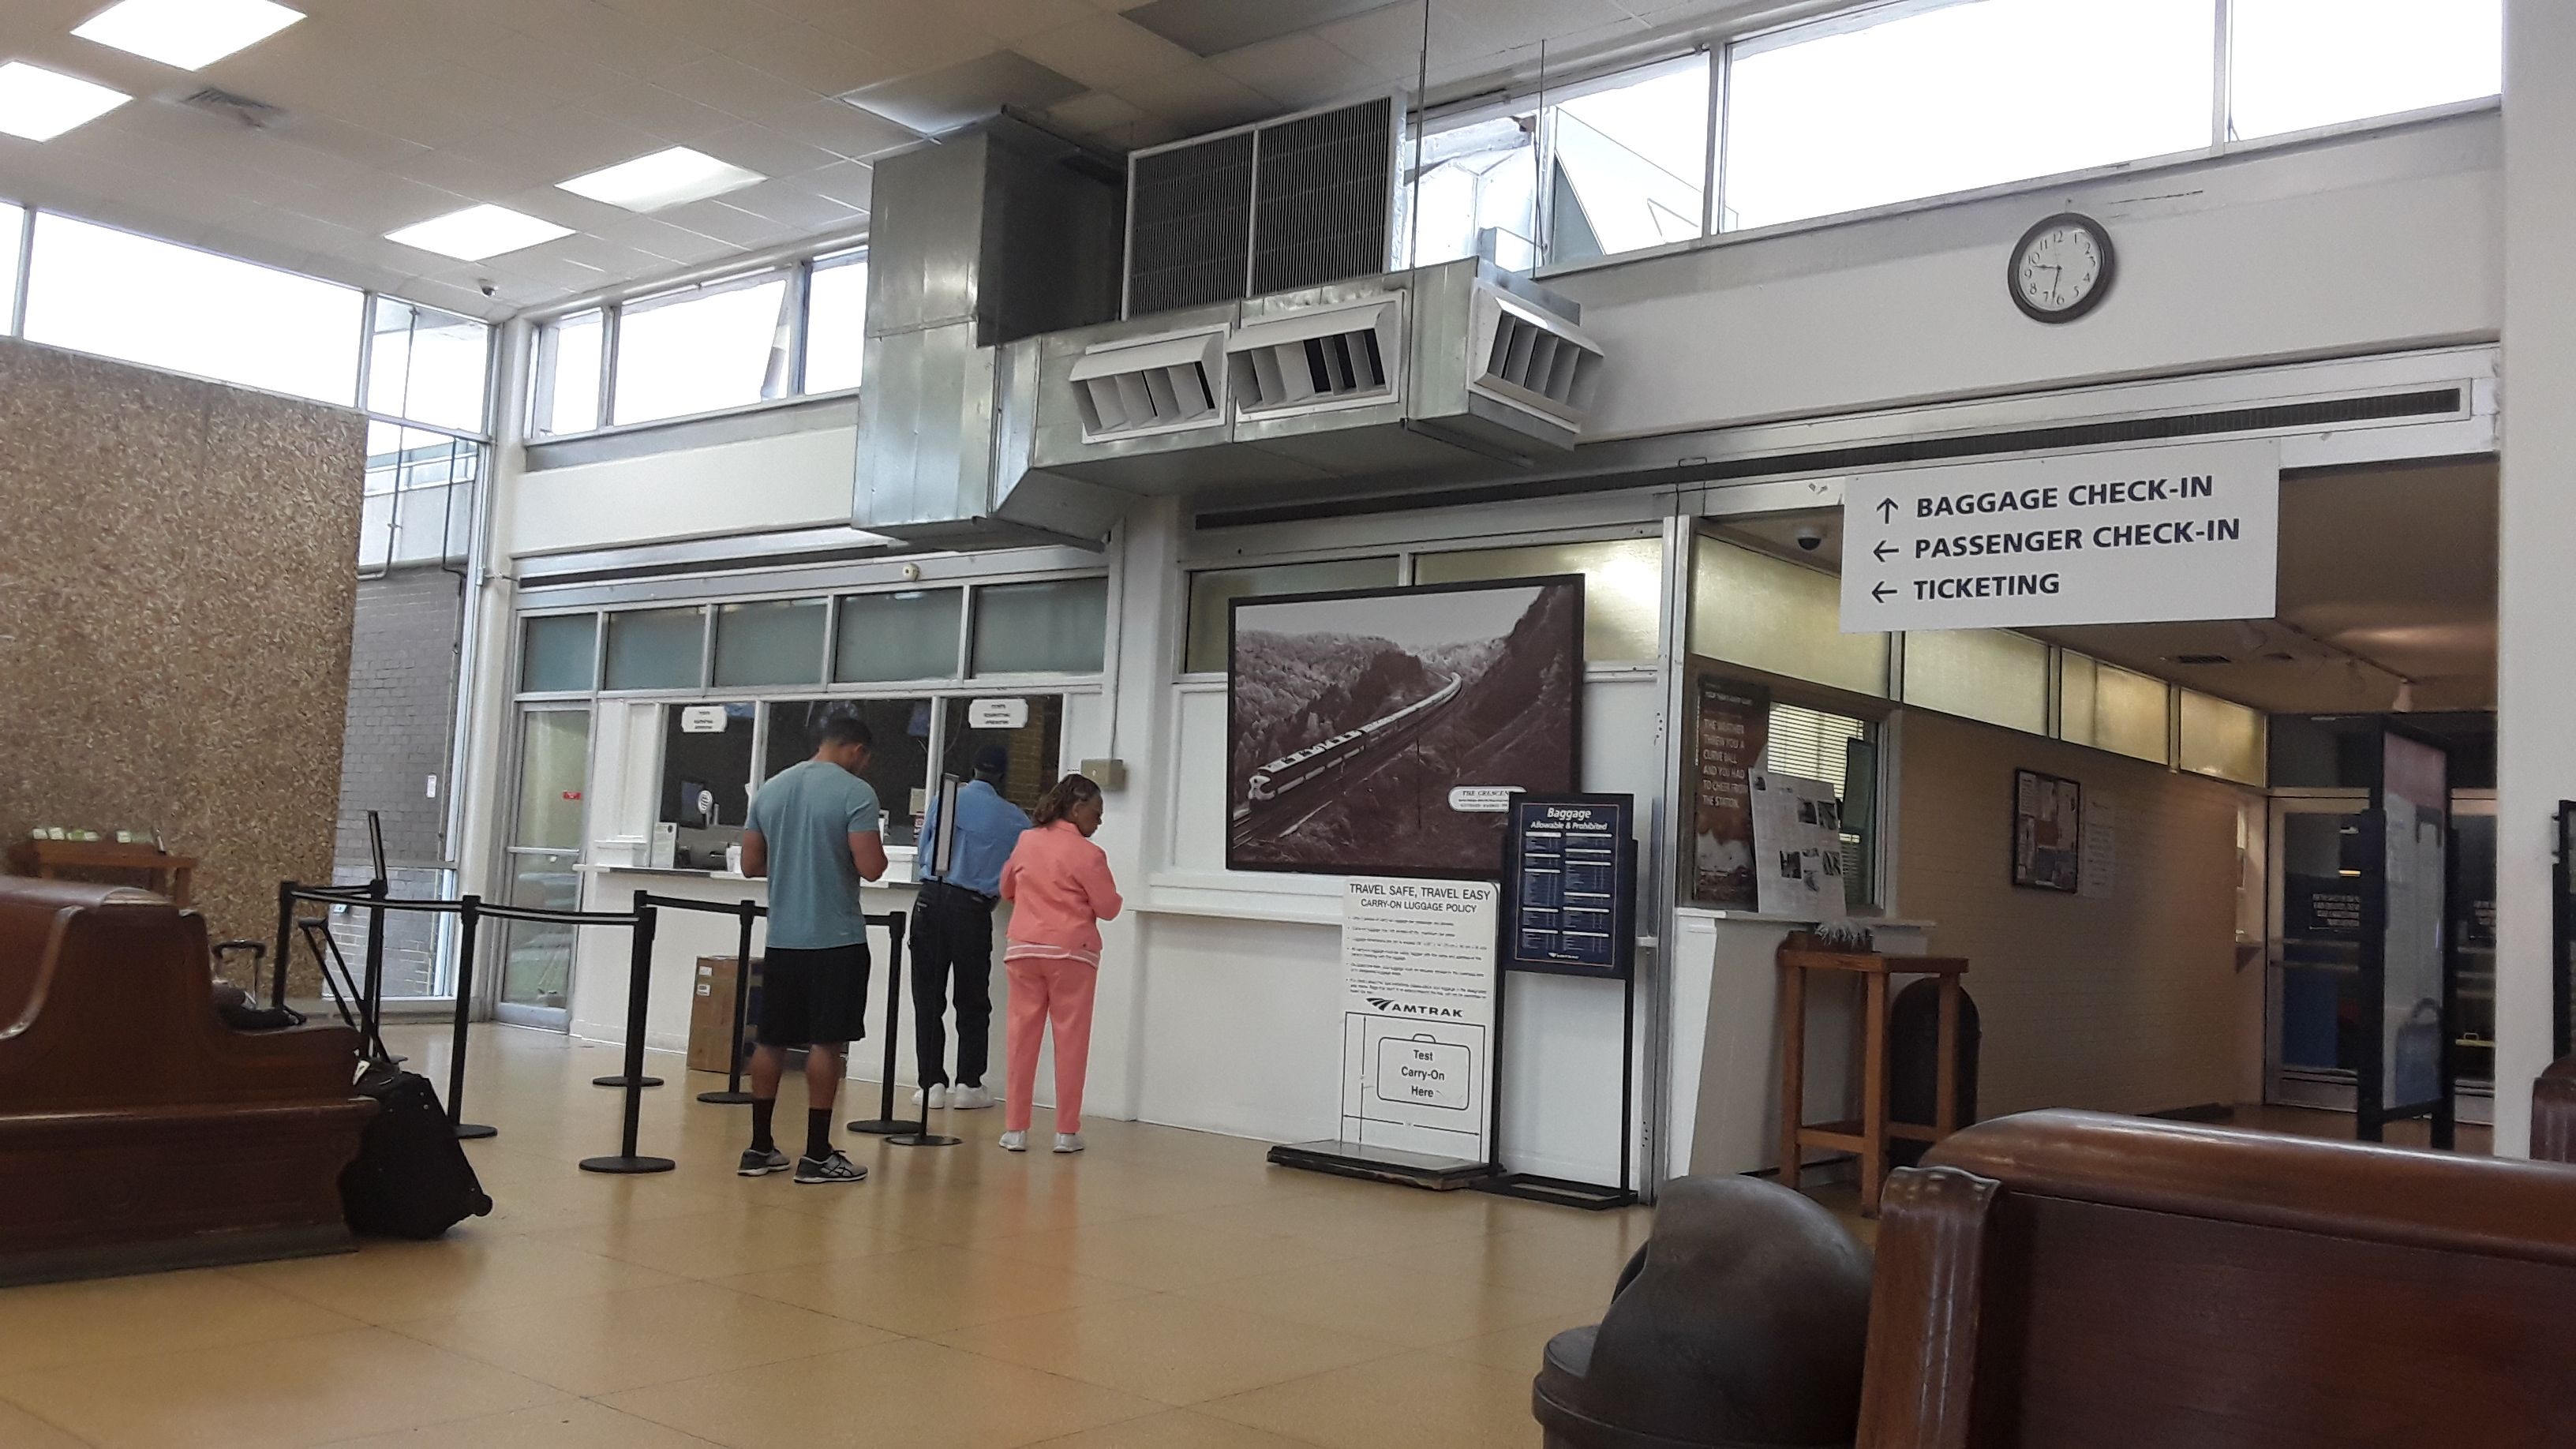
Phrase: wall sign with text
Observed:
(1571, 872)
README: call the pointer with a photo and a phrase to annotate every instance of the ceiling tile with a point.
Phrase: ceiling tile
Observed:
(716, 24)
(566, 141)
(1008, 20)
(337, 138)
(1198, 98)
(822, 63)
(934, 103)
(1212, 27)
(842, 129)
(769, 152)
(471, 176)
(1096, 113)
(1103, 52)
(666, 114)
(1387, 43)
(851, 183)
(589, 29)
(912, 34)
(727, 223)
(794, 207)
(735, 88)
(1298, 71)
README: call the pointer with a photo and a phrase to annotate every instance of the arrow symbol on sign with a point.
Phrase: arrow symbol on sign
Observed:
(1881, 592)
(1886, 509)
(1883, 550)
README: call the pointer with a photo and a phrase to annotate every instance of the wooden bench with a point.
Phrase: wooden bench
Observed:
(137, 1132)
(2075, 1281)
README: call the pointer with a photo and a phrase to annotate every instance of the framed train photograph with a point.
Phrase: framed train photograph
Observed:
(1383, 731)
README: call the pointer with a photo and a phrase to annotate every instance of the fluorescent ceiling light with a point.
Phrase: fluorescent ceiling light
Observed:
(186, 33)
(665, 178)
(40, 104)
(477, 232)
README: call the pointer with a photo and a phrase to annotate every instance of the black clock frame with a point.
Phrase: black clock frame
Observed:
(2110, 267)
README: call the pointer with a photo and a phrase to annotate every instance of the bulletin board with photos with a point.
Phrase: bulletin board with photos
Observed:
(2048, 832)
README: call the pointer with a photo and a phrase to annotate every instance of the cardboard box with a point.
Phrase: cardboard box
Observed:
(711, 1013)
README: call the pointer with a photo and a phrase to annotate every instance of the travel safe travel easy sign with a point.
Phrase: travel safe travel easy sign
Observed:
(2141, 536)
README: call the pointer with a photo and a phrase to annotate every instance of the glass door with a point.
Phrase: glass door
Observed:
(2473, 913)
(2324, 870)
(541, 864)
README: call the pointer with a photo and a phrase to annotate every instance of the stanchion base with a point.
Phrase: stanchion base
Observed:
(627, 1164)
(726, 1099)
(883, 1126)
(475, 1131)
(619, 1080)
(921, 1139)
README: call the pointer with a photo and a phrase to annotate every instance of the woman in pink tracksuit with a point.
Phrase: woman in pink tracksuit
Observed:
(1060, 891)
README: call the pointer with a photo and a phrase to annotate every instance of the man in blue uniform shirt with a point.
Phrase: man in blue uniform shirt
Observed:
(952, 931)
(816, 832)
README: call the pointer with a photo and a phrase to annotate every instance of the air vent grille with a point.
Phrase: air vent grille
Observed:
(1132, 388)
(1321, 200)
(258, 115)
(1316, 358)
(1190, 225)
(2202, 659)
(1536, 362)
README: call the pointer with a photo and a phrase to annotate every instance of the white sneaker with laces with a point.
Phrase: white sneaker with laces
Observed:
(1015, 1142)
(1068, 1142)
(969, 1099)
(931, 1098)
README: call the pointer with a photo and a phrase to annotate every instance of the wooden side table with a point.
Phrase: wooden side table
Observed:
(1868, 1136)
(50, 859)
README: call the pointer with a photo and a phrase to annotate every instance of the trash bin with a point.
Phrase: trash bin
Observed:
(1741, 1324)
(1914, 1063)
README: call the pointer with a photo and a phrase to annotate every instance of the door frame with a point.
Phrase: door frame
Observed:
(488, 985)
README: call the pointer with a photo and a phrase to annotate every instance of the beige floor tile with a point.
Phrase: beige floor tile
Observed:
(400, 1282)
(606, 1342)
(1578, 1267)
(571, 1424)
(304, 1391)
(1382, 1300)
(1386, 1219)
(22, 1430)
(1420, 1401)
(909, 1392)
(1174, 1429)
(1166, 1253)
(56, 1323)
(1173, 1349)
(1518, 1349)
(735, 1240)
(932, 1290)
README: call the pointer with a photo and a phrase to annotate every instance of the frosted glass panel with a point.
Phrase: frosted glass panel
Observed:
(1623, 586)
(1056, 627)
(656, 648)
(2222, 739)
(2111, 708)
(906, 635)
(1988, 674)
(1210, 592)
(1770, 614)
(554, 759)
(561, 652)
(772, 643)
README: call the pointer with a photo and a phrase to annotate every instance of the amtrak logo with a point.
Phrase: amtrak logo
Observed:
(1406, 1008)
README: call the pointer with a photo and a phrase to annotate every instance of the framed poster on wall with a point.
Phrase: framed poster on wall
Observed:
(1384, 731)
(2048, 832)
(1731, 726)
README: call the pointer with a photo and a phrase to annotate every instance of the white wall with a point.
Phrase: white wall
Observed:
(784, 481)
(2371, 243)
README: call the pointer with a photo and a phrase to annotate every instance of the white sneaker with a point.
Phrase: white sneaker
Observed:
(1068, 1142)
(969, 1099)
(932, 1098)
(1015, 1142)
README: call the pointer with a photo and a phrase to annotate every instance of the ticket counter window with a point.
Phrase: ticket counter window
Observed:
(898, 764)
(1033, 746)
(706, 780)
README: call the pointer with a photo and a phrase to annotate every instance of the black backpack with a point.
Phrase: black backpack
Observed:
(410, 1178)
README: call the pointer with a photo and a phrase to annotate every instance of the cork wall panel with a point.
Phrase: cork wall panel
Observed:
(176, 594)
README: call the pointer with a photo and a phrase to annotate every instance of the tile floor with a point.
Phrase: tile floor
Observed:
(1167, 1288)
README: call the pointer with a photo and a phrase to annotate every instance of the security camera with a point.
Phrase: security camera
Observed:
(1810, 536)
(484, 286)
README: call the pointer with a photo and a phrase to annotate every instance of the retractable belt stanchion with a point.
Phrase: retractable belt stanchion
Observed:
(895, 1130)
(285, 943)
(469, 914)
(733, 1095)
(638, 982)
(374, 991)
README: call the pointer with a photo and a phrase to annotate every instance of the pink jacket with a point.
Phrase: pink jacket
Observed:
(1059, 887)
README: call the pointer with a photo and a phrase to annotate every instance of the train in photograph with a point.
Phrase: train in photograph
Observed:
(1276, 780)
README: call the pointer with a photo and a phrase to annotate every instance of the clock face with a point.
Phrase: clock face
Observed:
(2062, 268)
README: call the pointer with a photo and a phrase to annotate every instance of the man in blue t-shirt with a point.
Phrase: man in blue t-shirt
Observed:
(815, 832)
(952, 930)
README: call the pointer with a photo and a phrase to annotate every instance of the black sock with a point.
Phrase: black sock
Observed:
(818, 1133)
(761, 1109)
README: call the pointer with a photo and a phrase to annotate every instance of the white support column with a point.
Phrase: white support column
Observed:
(483, 714)
(2536, 596)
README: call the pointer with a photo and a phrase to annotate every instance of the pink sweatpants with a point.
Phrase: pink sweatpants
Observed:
(1042, 989)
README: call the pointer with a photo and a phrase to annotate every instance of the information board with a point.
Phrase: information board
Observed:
(1418, 1016)
(1571, 873)
(2188, 531)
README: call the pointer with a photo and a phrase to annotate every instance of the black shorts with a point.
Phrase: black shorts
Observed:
(814, 998)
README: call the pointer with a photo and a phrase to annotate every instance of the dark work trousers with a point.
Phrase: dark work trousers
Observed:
(952, 931)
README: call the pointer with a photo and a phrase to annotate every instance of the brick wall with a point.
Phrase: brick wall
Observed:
(2125, 1004)
(402, 689)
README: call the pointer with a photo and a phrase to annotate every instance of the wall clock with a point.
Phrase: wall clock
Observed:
(2061, 268)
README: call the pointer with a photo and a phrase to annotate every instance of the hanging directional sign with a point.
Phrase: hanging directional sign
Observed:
(2145, 535)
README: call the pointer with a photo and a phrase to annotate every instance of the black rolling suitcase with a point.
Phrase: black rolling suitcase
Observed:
(410, 1179)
